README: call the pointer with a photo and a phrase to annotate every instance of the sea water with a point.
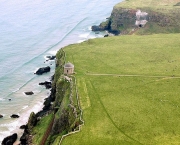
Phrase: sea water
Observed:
(30, 31)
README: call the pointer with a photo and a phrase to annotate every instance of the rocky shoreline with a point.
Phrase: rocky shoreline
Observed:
(64, 116)
(33, 118)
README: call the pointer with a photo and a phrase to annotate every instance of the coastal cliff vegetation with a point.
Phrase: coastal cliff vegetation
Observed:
(61, 112)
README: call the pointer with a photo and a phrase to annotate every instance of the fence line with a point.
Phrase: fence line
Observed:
(78, 102)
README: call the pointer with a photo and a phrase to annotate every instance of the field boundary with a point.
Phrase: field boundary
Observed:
(81, 114)
(134, 75)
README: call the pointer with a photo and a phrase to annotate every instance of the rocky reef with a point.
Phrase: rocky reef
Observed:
(42, 70)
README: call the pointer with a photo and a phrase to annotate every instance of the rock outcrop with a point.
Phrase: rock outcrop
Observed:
(10, 139)
(46, 84)
(105, 26)
(29, 93)
(141, 20)
(23, 127)
(42, 70)
(1, 116)
(51, 57)
(14, 116)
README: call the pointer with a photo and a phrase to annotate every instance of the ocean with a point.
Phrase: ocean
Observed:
(30, 31)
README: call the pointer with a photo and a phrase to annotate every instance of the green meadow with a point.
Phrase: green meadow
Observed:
(154, 4)
(129, 90)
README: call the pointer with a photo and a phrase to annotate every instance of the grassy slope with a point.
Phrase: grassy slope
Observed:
(154, 4)
(118, 109)
(40, 129)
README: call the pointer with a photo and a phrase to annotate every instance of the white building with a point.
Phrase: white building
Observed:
(141, 18)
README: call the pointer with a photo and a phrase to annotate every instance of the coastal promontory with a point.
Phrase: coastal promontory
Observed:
(143, 17)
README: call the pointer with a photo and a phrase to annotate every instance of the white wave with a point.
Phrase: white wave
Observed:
(45, 57)
(15, 90)
(3, 134)
(35, 70)
(24, 107)
(81, 41)
(85, 35)
(89, 28)
(92, 37)
(2, 99)
(53, 52)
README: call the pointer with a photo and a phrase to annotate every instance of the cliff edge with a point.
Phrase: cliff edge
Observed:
(148, 17)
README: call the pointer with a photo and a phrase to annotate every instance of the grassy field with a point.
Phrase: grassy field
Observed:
(40, 129)
(129, 90)
(165, 4)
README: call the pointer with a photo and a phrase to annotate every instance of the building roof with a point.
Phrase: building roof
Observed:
(69, 65)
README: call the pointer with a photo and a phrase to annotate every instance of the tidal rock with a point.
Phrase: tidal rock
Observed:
(51, 57)
(47, 103)
(52, 78)
(14, 116)
(24, 138)
(97, 28)
(106, 35)
(42, 70)
(46, 84)
(1, 116)
(23, 127)
(10, 139)
(29, 93)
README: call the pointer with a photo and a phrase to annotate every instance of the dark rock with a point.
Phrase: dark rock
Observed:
(24, 138)
(9, 99)
(106, 35)
(29, 93)
(115, 32)
(1, 116)
(52, 78)
(23, 127)
(51, 57)
(42, 70)
(106, 26)
(46, 84)
(10, 139)
(97, 28)
(47, 103)
(15, 116)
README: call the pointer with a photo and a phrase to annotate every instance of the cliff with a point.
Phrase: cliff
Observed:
(162, 17)
(60, 114)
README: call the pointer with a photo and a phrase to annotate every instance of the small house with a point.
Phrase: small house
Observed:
(68, 68)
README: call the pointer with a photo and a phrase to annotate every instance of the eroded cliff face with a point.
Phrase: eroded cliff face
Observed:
(157, 21)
